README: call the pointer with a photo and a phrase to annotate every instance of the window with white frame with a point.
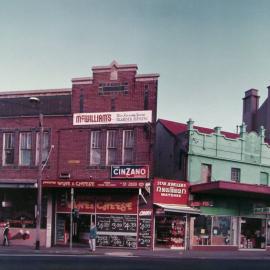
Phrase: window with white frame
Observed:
(25, 148)
(95, 148)
(235, 174)
(128, 146)
(111, 147)
(45, 147)
(8, 148)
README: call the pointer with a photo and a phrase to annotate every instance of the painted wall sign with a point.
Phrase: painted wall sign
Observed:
(101, 204)
(130, 172)
(92, 184)
(170, 191)
(105, 118)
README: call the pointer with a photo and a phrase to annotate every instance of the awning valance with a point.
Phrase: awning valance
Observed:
(176, 208)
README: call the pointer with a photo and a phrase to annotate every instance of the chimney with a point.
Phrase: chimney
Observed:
(250, 108)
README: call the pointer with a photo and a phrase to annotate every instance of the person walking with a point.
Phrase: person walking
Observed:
(92, 236)
(5, 235)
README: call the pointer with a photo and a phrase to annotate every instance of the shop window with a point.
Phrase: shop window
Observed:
(128, 146)
(18, 207)
(25, 148)
(95, 150)
(221, 231)
(264, 178)
(235, 174)
(170, 231)
(202, 230)
(45, 147)
(111, 149)
(206, 173)
(8, 148)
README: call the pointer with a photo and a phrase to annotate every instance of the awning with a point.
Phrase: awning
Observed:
(18, 183)
(176, 208)
(231, 188)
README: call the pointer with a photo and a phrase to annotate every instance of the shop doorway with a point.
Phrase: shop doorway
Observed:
(80, 228)
(170, 231)
(252, 233)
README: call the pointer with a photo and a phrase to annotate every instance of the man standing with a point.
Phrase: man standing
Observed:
(5, 234)
(92, 236)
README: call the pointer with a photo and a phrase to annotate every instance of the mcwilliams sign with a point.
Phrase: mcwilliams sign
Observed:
(130, 172)
(105, 118)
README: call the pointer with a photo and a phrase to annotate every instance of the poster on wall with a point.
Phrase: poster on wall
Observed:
(170, 191)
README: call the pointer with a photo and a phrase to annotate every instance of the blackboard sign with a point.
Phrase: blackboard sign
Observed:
(144, 239)
(60, 230)
(123, 241)
(116, 223)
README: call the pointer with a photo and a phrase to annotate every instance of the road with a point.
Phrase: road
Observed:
(92, 262)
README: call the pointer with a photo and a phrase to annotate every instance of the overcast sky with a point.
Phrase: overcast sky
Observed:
(207, 52)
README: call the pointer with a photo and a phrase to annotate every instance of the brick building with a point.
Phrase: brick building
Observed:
(254, 114)
(99, 136)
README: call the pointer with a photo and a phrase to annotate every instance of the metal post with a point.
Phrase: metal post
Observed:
(39, 183)
(71, 217)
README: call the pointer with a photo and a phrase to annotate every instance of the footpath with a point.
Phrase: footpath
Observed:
(160, 253)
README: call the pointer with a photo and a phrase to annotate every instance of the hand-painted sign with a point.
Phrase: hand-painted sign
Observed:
(130, 172)
(105, 118)
(170, 191)
(92, 184)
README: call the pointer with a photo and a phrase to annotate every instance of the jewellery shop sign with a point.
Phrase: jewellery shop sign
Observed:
(130, 172)
(170, 191)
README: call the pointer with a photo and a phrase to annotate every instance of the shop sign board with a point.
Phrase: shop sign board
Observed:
(201, 203)
(100, 204)
(145, 228)
(170, 191)
(107, 118)
(130, 172)
(92, 184)
(261, 211)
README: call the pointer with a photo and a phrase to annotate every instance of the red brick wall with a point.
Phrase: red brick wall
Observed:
(71, 151)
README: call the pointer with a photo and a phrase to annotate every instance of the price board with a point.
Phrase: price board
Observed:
(116, 223)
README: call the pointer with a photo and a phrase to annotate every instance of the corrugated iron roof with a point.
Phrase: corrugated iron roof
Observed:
(176, 128)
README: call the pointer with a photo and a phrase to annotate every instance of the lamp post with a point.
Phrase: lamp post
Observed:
(36, 101)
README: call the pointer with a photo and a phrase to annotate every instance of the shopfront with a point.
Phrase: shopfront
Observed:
(172, 214)
(17, 208)
(235, 219)
(114, 208)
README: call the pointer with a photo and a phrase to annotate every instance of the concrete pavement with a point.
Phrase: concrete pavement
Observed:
(161, 253)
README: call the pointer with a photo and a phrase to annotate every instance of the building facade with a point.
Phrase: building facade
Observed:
(98, 159)
(228, 176)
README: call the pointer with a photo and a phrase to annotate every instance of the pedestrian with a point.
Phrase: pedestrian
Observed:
(92, 236)
(5, 234)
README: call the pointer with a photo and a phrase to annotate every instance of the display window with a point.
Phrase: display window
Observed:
(18, 208)
(214, 230)
(170, 231)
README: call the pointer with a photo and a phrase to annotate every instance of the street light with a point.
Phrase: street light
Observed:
(36, 100)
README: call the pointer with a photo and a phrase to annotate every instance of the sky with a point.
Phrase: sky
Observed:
(207, 52)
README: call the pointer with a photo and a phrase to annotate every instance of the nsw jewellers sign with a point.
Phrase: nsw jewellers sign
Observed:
(130, 172)
(106, 118)
(170, 191)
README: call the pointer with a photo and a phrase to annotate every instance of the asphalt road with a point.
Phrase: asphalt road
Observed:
(48, 262)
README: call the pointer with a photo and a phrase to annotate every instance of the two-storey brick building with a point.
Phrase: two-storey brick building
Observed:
(99, 136)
